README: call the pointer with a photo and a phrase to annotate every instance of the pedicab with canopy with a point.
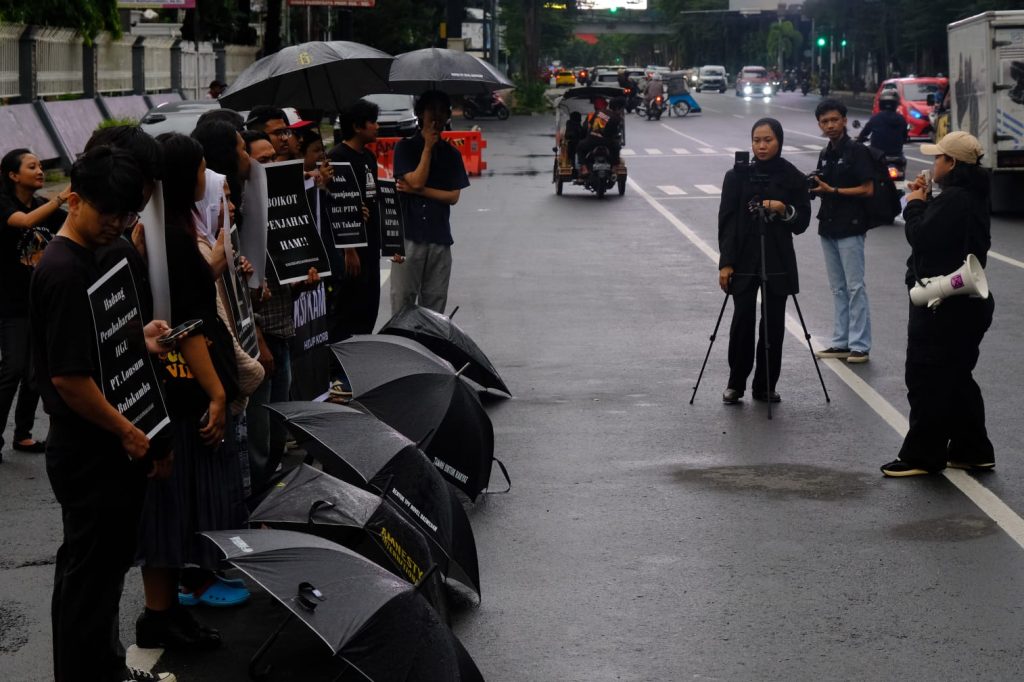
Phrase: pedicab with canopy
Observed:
(680, 101)
(572, 111)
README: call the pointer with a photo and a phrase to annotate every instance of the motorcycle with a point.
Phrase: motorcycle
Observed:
(805, 87)
(652, 110)
(485, 105)
(897, 166)
(602, 176)
(789, 84)
(633, 101)
(824, 87)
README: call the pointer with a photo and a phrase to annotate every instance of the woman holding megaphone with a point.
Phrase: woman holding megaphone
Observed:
(947, 413)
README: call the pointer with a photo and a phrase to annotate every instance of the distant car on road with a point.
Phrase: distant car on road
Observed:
(711, 77)
(754, 81)
(396, 118)
(913, 96)
(564, 78)
(176, 117)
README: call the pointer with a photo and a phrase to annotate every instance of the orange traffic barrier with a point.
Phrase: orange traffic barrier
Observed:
(469, 143)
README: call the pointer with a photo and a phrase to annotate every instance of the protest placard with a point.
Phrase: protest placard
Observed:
(392, 222)
(238, 296)
(127, 377)
(345, 208)
(293, 243)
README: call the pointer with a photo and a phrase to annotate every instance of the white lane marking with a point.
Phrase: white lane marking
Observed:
(713, 111)
(709, 189)
(813, 147)
(738, 116)
(987, 501)
(733, 150)
(688, 137)
(1006, 259)
(627, 152)
(706, 150)
(790, 148)
(143, 659)
(680, 150)
(653, 152)
(385, 274)
(713, 197)
(672, 190)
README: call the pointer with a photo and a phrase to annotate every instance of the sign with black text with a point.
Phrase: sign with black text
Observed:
(127, 377)
(345, 207)
(293, 243)
(238, 296)
(392, 223)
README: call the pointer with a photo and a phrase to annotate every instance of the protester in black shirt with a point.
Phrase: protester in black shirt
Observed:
(947, 413)
(26, 223)
(776, 184)
(93, 453)
(429, 176)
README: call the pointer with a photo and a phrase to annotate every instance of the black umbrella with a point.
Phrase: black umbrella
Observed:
(317, 75)
(360, 449)
(372, 619)
(446, 339)
(453, 72)
(312, 501)
(421, 396)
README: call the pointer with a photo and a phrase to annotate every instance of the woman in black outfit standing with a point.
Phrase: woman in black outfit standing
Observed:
(776, 184)
(21, 213)
(947, 413)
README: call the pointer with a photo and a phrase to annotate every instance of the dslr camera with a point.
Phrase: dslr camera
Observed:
(812, 179)
(742, 164)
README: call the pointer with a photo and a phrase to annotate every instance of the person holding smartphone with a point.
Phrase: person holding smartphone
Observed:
(430, 177)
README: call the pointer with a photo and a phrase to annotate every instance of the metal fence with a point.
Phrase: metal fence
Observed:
(236, 59)
(114, 63)
(58, 65)
(9, 83)
(157, 59)
(194, 84)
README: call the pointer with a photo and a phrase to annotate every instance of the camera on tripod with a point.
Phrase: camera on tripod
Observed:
(742, 165)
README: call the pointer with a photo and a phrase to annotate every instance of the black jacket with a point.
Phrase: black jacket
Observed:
(850, 165)
(738, 230)
(887, 131)
(941, 232)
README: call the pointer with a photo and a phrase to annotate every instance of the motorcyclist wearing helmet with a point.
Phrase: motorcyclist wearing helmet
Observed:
(887, 129)
(655, 87)
(605, 130)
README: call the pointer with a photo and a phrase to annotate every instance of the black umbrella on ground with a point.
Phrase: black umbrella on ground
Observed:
(453, 72)
(317, 75)
(446, 339)
(311, 501)
(375, 621)
(421, 396)
(362, 450)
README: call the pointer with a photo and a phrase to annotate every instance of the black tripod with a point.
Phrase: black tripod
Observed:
(762, 221)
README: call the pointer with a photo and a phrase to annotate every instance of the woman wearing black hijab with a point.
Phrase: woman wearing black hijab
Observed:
(776, 184)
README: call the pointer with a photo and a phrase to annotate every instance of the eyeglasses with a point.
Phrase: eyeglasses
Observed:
(121, 221)
(283, 133)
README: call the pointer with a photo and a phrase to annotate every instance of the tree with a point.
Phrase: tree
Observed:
(531, 28)
(783, 40)
(88, 17)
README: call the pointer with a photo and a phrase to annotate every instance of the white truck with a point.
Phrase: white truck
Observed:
(986, 77)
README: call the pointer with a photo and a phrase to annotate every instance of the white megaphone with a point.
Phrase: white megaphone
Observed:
(969, 280)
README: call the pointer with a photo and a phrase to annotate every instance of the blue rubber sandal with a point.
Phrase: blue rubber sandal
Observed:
(231, 582)
(216, 594)
(187, 598)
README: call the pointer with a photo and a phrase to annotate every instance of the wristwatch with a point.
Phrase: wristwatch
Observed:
(835, 190)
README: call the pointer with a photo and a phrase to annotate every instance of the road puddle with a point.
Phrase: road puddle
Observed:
(946, 529)
(781, 480)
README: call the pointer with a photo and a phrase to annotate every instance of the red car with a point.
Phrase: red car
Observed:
(913, 93)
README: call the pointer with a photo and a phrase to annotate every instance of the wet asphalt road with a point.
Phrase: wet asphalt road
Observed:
(645, 538)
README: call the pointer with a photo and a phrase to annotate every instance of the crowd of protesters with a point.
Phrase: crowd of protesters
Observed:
(127, 500)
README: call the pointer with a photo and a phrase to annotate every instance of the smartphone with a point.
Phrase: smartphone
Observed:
(171, 337)
(204, 420)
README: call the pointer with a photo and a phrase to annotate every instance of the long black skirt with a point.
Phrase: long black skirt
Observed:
(204, 492)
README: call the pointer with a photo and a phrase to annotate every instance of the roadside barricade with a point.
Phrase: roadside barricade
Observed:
(469, 143)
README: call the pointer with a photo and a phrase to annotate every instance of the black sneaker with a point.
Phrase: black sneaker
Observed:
(971, 466)
(769, 397)
(900, 469)
(174, 629)
(857, 357)
(731, 396)
(136, 675)
(833, 352)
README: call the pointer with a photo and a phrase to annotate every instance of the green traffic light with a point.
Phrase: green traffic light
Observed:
(613, 10)
(821, 42)
(843, 43)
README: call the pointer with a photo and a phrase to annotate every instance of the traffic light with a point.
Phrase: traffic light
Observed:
(821, 41)
(613, 10)
(842, 43)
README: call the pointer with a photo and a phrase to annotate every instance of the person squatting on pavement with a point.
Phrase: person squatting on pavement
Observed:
(430, 176)
(781, 188)
(96, 460)
(947, 413)
(843, 183)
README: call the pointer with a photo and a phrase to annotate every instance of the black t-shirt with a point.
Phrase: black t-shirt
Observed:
(848, 165)
(428, 221)
(86, 464)
(364, 164)
(14, 275)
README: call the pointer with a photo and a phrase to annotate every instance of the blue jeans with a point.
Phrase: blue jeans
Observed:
(844, 261)
(267, 438)
(16, 378)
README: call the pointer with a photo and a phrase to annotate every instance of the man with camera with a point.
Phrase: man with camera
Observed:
(844, 182)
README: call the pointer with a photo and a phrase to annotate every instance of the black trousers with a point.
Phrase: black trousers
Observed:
(947, 412)
(98, 549)
(742, 354)
(357, 299)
